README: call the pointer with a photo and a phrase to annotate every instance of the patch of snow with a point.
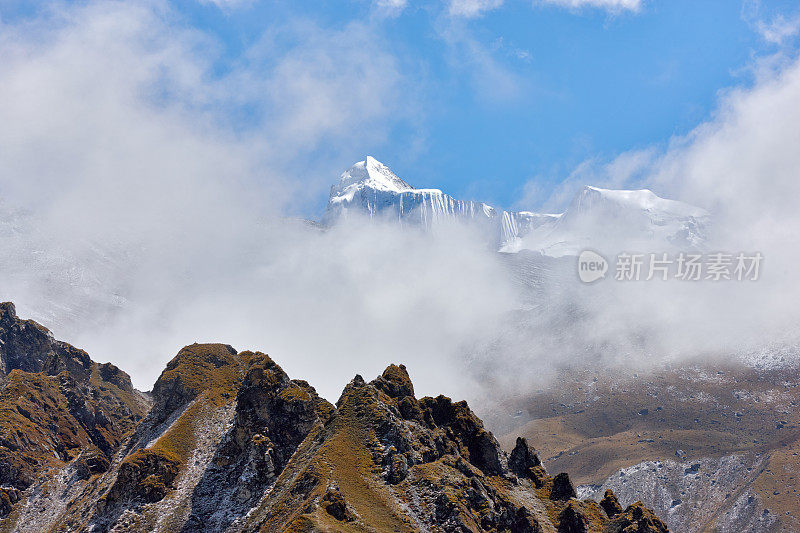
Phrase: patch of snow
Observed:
(596, 218)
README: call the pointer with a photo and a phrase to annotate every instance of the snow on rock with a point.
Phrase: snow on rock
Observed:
(370, 188)
(619, 220)
(688, 494)
(596, 218)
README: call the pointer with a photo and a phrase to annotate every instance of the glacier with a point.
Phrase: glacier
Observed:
(595, 218)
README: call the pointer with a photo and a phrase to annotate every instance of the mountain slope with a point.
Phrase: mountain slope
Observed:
(711, 445)
(57, 408)
(394, 463)
(233, 444)
(617, 220)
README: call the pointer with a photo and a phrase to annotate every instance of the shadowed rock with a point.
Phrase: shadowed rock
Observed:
(562, 488)
(523, 458)
(610, 504)
(234, 444)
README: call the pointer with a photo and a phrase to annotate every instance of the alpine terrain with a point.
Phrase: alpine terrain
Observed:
(600, 218)
(226, 441)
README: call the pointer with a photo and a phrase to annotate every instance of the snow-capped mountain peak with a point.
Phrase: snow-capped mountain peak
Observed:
(616, 220)
(599, 218)
(641, 199)
(371, 174)
(371, 189)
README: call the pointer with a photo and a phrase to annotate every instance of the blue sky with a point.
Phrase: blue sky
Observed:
(487, 97)
(184, 132)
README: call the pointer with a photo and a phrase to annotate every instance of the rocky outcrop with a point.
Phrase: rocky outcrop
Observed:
(30, 347)
(610, 504)
(273, 415)
(8, 497)
(144, 475)
(523, 459)
(213, 368)
(232, 443)
(389, 461)
(637, 518)
(56, 404)
(562, 488)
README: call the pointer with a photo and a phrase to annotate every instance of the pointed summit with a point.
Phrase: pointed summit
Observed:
(371, 174)
(380, 174)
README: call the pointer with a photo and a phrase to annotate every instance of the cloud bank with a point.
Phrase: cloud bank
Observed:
(614, 6)
(145, 199)
(477, 8)
(145, 202)
(742, 165)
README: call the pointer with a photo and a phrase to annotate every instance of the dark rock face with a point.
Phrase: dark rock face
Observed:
(275, 410)
(111, 374)
(638, 519)
(273, 415)
(91, 463)
(8, 497)
(572, 521)
(233, 444)
(523, 458)
(395, 382)
(56, 404)
(196, 368)
(524, 522)
(145, 475)
(24, 346)
(398, 468)
(30, 347)
(466, 433)
(335, 505)
(610, 504)
(562, 488)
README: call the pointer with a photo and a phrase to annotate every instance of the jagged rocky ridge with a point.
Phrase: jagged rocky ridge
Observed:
(231, 443)
(57, 408)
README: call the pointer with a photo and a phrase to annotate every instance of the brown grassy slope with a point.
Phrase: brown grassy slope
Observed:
(223, 426)
(592, 424)
(202, 376)
(338, 455)
(344, 477)
(55, 403)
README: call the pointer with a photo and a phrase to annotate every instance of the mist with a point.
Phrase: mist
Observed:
(141, 213)
(742, 165)
(136, 220)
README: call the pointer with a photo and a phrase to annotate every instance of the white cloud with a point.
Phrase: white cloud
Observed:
(390, 7)
(476, 8)
(742, 165)
(744, 162)
(155, 211)
(330, 82)
(779, 30)
(226, 5)
(609, 5)
(491, 80)
(472, 8)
